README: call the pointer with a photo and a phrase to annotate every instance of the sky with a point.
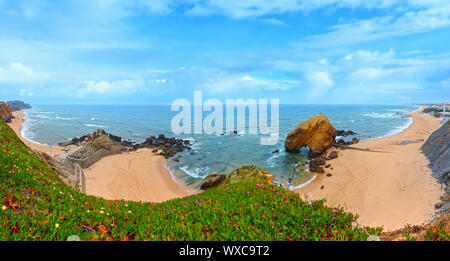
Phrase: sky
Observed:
(155, 51)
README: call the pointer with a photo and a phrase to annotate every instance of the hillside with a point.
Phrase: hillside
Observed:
(36, 205)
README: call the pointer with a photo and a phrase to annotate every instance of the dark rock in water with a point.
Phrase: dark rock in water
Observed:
(275, 151)
(18, 105)
(155, 150)
(329, 175)
(168, 146)
(322, 187)
(344, 133)
(342, 142)
(327, 166)
(316, 169)
(212, 180)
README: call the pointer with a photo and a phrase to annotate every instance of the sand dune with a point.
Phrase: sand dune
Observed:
(391, 188)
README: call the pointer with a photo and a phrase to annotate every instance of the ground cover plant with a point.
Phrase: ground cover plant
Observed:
(37, 205)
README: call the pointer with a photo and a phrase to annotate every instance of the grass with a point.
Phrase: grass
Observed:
(37, 205)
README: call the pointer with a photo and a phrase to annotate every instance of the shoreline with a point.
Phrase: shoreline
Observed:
(138, 176)
(391, 188)
(17, 125)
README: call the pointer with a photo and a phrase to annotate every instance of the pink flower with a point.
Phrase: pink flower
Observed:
(248, 192)
(196, 201)
(257, 184)
(187, 202)
(166, 209)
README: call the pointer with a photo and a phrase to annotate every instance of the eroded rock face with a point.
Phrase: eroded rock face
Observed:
(5, 112)
(317, 133)
(212, 180)
(437, 149)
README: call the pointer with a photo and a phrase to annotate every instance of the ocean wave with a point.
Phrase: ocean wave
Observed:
(26, 132)
(303, 184)
(386, 115)
(196, 173)
(95, 125)
(398, 129)
(65, 119)
(272, 160)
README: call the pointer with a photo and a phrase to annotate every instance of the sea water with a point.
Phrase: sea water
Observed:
(51, 124)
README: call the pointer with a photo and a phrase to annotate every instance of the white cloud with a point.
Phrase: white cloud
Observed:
(113, 88)
(433, 15)
(17, 72)
(368, 74)
(320, 79)
(230, 83)
(274, 22)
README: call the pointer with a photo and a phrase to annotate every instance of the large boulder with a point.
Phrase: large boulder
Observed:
(5, 112)
(317, 133)
(213, 180)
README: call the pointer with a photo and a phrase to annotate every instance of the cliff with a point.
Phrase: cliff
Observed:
(437, 149)
(5, 112)
(18, 105)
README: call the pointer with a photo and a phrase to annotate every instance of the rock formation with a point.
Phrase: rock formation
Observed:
(437, 149)
(245, 172)
(168, 147)
(18, 105)
(5, 112)
(212, 180)
(317, 133)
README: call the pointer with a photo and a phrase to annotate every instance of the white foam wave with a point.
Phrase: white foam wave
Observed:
(303, 184)
(382, 115)
(95, 125)
(196, 173)
(25, 131)
(65, 119)
(398, 129)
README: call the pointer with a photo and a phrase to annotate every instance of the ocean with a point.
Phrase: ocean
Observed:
(51, 124)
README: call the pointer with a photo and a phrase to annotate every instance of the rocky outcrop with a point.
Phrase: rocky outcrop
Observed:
(344, 133)
(5, 112)
(167, 147)
(317, 133)
(212, 180)
(437, 149)
(18, 105)
(243, 173)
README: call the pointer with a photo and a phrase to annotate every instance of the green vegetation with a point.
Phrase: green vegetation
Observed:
(437, 234)
(36, 205)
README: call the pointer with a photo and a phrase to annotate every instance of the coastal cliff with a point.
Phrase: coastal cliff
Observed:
(18, 105)
(437, 149)
(5, 112)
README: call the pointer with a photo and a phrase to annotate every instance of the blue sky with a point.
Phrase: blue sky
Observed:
(154, 51)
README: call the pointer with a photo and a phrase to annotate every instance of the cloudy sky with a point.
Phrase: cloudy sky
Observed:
(154, 51)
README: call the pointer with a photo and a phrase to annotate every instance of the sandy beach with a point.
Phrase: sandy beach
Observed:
(138, 176)
(391, 187)
(16, 125)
